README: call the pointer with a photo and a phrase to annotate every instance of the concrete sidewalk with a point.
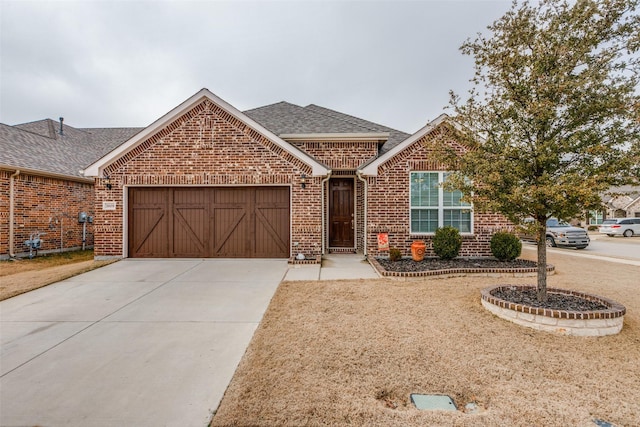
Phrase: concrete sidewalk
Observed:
(334, 267)
(135, 343)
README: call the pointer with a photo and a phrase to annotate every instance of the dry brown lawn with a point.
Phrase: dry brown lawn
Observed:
(351, 352)
(24, 275)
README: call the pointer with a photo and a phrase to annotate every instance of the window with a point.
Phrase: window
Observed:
(596, 217)
(432, 206)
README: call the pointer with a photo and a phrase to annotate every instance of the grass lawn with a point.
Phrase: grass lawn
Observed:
(24, 275)
(351, 353)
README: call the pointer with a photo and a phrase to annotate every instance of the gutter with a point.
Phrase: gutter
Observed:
(366, 198)
(322, 183)
(27, 171)
(11, 213)
(371, 136)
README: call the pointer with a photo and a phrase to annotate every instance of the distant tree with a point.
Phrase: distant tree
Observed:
(554, 112)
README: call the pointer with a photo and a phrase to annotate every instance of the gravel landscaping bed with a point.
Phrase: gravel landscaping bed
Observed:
(554, 301)
(432, 264)
(519, 296)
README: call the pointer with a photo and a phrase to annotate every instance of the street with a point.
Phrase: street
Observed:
(622, 248)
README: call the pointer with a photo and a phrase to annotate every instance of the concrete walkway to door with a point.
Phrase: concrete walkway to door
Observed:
(334, 267)
(135, 343)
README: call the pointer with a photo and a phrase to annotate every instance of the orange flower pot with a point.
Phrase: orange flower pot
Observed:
(418, 248)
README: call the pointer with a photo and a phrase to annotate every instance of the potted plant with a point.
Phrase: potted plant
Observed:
(418, 248)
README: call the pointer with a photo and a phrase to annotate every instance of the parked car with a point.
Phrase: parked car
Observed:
(626, 227)
(559, 233)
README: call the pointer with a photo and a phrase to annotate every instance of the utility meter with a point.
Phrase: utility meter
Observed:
(82, 217)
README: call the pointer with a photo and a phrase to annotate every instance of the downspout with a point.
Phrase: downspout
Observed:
(323, 216)
(366, 197)
(11, 214)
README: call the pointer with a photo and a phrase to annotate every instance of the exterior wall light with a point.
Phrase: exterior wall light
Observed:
(107, 182)
(303, 181)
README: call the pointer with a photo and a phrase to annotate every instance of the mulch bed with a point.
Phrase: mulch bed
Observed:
(554, 301)
(430, 264)
(524, 297)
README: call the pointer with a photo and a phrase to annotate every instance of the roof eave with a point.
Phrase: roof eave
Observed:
(371, 136)
(46, 174)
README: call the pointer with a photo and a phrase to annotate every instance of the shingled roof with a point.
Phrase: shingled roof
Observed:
(38, 146)
(284, 118)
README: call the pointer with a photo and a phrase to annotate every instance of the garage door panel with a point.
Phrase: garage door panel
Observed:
(150, 232)
(209, 222)
(231, 227)
(189, 223)
(148, 223)
(190, 232)
(272, 232)
(272, 221)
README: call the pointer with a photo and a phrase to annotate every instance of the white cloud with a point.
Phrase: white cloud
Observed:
(127, 63)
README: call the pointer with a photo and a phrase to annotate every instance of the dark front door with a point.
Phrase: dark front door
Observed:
(341, 213)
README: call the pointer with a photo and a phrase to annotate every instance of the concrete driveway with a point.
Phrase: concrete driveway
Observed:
(138, 342)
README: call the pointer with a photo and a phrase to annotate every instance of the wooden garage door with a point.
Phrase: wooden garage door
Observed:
(240, 222)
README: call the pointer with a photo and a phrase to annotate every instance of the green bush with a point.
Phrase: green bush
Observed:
(395, 254)
(447, 242)
(505, 246)
(593, 228)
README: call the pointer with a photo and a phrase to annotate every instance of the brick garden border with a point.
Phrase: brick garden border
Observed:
(493, 272)
(564, 322)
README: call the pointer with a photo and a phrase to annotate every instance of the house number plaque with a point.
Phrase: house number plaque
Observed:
(108, 206)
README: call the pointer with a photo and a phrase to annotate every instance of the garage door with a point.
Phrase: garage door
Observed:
(242, 222)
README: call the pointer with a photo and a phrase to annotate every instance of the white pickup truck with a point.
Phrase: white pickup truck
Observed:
(559, 233)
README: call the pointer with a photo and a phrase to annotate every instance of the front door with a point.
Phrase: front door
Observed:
(341, 213)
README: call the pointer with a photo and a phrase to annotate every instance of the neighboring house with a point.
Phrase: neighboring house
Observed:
(207, 180)
(619, 202)
(622, 202)
(41, 187)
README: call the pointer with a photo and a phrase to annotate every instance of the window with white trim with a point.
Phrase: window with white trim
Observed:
(596, 217)
(432, 206)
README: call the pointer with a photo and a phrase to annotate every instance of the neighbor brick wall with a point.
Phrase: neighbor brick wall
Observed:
(388, 207)
(209, 147)
(48, 205)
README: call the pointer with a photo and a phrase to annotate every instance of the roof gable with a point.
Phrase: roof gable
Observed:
(371, 169)
(97, 167)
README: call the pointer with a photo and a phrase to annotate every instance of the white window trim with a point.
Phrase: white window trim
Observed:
(441, 208)
(593, 220)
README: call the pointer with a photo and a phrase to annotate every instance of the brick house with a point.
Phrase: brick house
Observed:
(207, 180)
(41, 188)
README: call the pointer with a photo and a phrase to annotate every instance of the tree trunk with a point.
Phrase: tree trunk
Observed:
(542, 262)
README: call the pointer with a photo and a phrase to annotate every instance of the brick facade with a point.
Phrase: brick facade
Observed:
(209, 147)
(388, 204)
(47, 205)
(340, 155)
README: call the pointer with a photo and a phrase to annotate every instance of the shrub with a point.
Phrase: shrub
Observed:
(395, 254)
(505, 246)
(447, 242)
(593, 228)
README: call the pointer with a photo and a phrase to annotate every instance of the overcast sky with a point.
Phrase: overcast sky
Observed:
(126, 63)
